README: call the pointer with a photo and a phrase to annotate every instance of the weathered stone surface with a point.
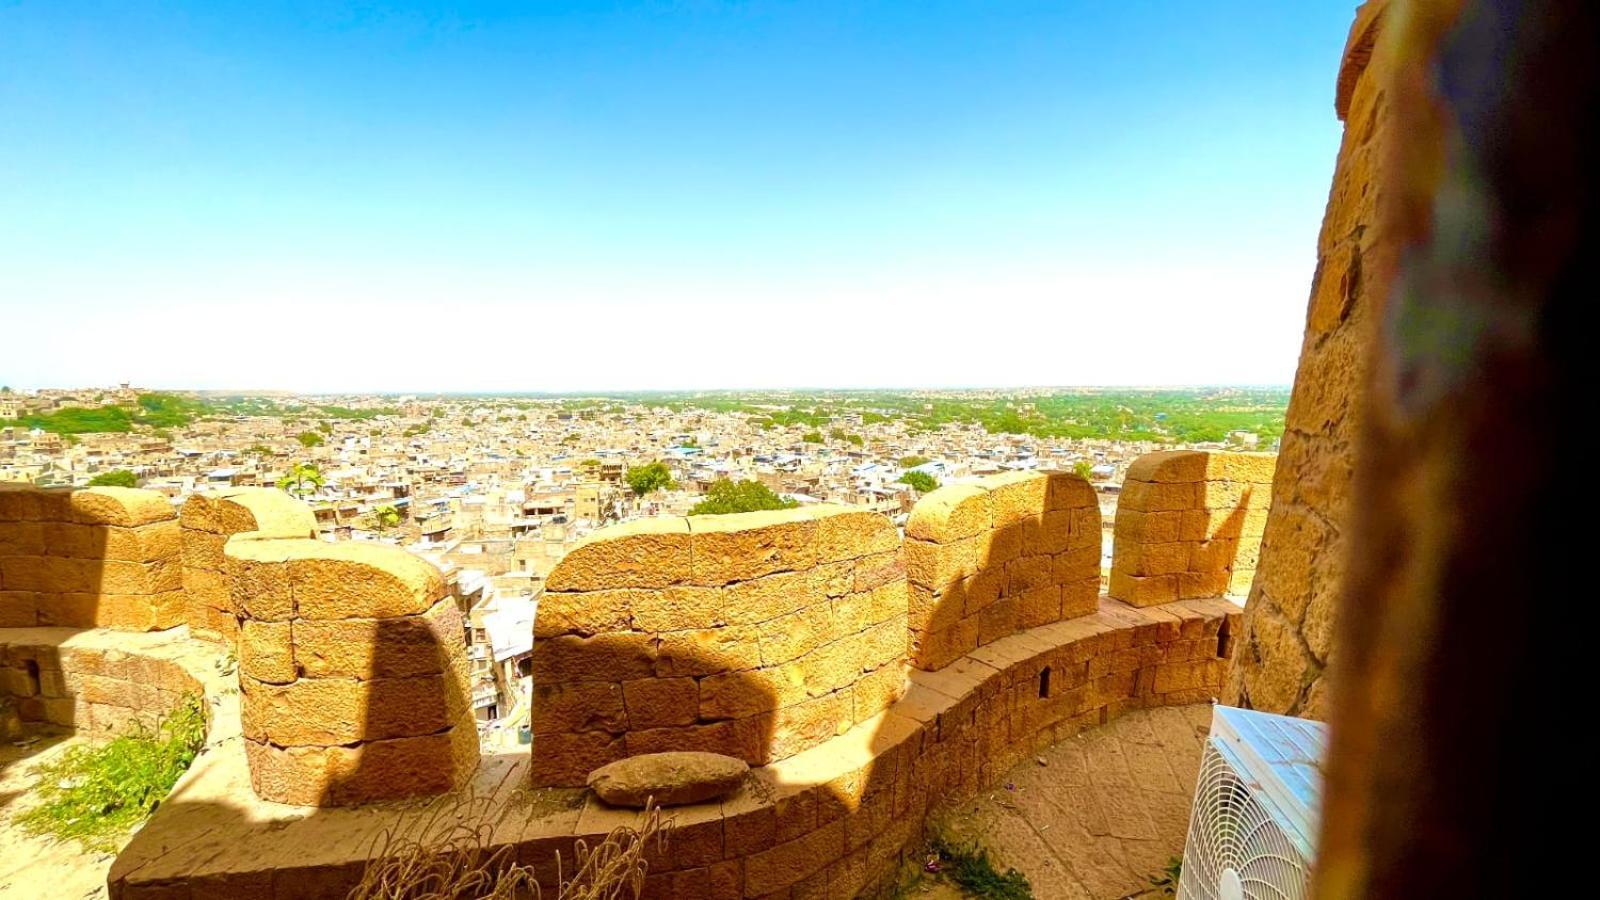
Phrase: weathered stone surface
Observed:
(394, 647)
(777, 609)
(1182, 521)
(950, 513)
(351, 580)
(1312, 481)
(644, 553)
(127, 507)
(742, 546)
(986, 558)
(368, 772)
(670, 779)
(328, 711)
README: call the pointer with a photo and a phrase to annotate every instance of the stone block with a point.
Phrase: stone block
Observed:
(618, 656)
(1252, 468)
(565, 760)
(578, 706)
(794, 635)
(951, 513)
(938, 565)
(1039, 606)
(739, 695)
(352, 579)
(880, 569)
(204, 550)
(1143, 591)
(1169, 466)
(1152, 559)
(1017, 497)
(742, 546)
(19, 609)
(328, 711)
(1029, 573)
(707, 651)
(1068, 490)
(661, 702)
(266, 652)
(1160, 496)
(368, 772)
(746, 739)
(589, 612)
(645, 553)
(396, 647)
(844, 533)
(127, 507)
(779, 867)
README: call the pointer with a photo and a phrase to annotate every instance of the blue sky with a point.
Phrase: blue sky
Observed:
(542, 196)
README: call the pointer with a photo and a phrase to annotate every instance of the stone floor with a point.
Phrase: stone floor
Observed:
(33, 867)
(1095, 816)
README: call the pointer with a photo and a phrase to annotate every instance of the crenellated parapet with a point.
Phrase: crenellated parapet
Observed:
(756, 635)
(1189, 525)
(352, 670)
(997, 555)
(100, 557)
(208, 520)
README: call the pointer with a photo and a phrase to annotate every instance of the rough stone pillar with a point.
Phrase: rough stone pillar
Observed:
(208, 519)
(353, 671)
(1463, 610)
(95, 558)
(990, 557)
(1189, 525)
(1288, 623)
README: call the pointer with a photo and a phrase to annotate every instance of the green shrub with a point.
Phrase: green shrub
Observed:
(96, 794)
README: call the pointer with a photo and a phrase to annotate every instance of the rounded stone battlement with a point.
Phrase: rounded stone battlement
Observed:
(756, 635)
(352, 671)
(1189, 525)
(209, 519)
(990, 557)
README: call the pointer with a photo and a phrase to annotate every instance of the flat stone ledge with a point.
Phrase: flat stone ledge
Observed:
(834, 818)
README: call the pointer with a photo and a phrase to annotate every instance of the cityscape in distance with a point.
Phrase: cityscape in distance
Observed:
(495, 489)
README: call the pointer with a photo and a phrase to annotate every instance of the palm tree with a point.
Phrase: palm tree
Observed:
(384, 518)
(303, 479)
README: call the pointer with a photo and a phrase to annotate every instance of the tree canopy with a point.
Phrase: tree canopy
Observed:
(309, 439)
(921, 482)
(115, 478)
(648, 478)
(726, 496)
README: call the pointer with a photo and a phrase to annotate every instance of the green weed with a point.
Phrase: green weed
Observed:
(969, 868)
(96, 794)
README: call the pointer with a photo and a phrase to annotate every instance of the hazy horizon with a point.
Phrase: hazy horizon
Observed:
(664, 391)
(584, 198)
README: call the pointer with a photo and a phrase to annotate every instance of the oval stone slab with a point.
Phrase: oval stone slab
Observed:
(673, 779)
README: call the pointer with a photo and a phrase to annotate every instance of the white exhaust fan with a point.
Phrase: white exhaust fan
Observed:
(1252, 833)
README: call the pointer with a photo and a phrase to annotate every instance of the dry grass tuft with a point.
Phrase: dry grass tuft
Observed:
(444, 854)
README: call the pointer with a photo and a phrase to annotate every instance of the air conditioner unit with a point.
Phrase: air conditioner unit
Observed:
(1252, 833)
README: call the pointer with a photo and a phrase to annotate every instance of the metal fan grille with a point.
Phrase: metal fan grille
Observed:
(1231, 828)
